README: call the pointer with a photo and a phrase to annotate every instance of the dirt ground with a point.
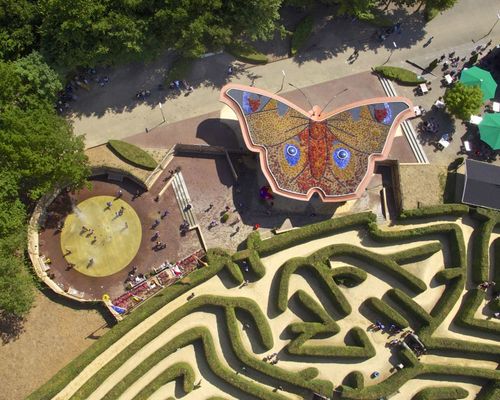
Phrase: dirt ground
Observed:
(59, 331)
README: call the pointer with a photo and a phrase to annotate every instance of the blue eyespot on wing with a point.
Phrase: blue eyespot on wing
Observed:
(292, 154)
(341, 156)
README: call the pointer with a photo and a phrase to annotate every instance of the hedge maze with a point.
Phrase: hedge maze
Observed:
(310, 307)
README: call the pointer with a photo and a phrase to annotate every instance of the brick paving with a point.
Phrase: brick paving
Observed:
(147, 209)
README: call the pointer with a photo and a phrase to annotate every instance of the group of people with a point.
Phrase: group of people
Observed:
(272, 358)
(486, 285)
(379, 326)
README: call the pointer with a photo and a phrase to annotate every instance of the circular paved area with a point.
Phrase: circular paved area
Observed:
(101, 236)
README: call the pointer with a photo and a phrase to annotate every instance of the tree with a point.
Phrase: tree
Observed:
(39, 80)
(87, 32)
(463, 101)
(16, 288)
(40, 147)
(362, 9)
(16, 28)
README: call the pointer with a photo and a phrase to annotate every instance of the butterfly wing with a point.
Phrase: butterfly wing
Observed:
(297, 161)
(279, 130)
(357, 135)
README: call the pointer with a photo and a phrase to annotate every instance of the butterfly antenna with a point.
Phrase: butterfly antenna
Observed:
(329, 101)
(303, 94)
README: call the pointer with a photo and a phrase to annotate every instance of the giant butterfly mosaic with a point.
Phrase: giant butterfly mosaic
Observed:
(303, 153)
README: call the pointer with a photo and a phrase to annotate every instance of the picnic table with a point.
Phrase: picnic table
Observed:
(448, 78)
(423, 88)
(417, 110)
(495, 107)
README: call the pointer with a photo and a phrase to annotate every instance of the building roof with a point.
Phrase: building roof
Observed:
(482, 184)
(302, 153)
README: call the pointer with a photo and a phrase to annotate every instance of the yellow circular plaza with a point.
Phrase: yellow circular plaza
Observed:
(101, 236)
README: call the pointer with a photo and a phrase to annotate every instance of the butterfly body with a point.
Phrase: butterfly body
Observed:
(303, 153)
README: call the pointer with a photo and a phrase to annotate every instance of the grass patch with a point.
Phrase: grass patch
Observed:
(400, 75)
(132, 154)
(247, 53)
(179, 69)
(301, 34)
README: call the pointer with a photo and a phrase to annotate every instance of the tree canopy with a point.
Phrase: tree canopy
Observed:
(463, 101)
(38, 152)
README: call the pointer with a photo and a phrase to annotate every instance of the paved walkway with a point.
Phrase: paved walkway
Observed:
(323, 61)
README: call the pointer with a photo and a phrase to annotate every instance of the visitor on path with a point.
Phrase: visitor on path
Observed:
(126, 225)
(108, 205)
(428, 41)
(119, 194)
(164, 214)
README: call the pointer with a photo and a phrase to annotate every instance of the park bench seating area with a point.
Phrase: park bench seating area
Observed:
(164, 275)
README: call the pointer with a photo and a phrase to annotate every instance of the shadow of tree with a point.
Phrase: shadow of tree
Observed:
(11, 327)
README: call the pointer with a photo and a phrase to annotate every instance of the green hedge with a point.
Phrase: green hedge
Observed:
(246, 53)
(70, 371)
(435, 211)
(490, 391)
(408, 304)
(301, 34)
(349, 276)
(201, 333)
(480, 251)
(324, 277)
(441, 393)
(389, 385)
(452, 231)
(386, 312)
(362, 347)
(384, 262)
(133, 154)
(401, 75)
(355, 379)
(496, 262)
(178, 370)
(465, 316)
(415, 254)
(308, 233)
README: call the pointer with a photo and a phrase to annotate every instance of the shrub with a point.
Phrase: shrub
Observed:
(462, 101)
(435, 211)
(246, 53)
(301, 34)
(132, 154)
(399, 74)
(355, 379)
(386, 312)
(441, 393)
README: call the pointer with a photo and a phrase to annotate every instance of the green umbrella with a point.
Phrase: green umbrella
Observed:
(489, 130)
(476, 76)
